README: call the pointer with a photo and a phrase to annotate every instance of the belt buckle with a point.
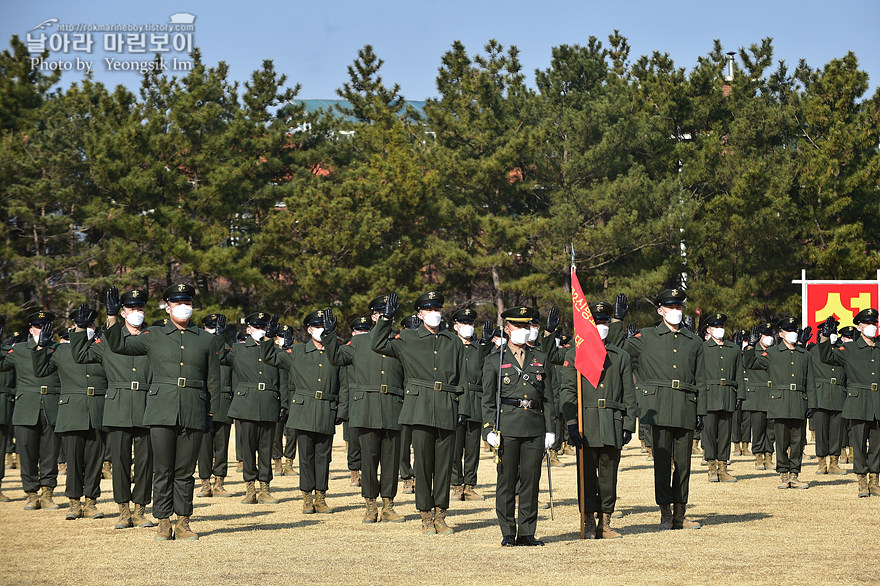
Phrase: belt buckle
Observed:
(676, 384)
(601, 404)
(525, 404)
(792, 387)
(44, 390)
(724, 381)
(383, 389)
(181, 381)
(90, 391)
(261, 386)
(438, 385)
(873, 386)
(319, 394)
(769, 383)
(135, 385)
(833, 380)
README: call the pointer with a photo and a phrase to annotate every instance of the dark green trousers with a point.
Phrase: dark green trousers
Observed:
(406, 469)
(741, 430)
(829, 432)
(520, 465)
(432, 451)
(122, 441)
(600, 478)
(467, 453)
(175, 451)
(315, 453)
(214, 451)
(866, 459)
(256, 449)
(85, 458)
(38, 449)
(283, 441)
(672, 445)
(716, 435)
(350, 434)
(379, 448)
(790, 440)
(4, 437)
(762, 433)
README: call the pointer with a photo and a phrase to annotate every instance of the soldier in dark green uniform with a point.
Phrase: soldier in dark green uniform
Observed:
(257, 404)
(524, 427)
(757, 399)
(374, 398)
(128, 380)
(315, 410)
(608, 424)
(36, 408)
(410, 322)
(828, 417)
(80, 414)
(434, 365)
(792, 396)
(284, 438)
(725, 393)
(860, 360)
(848, 335)
(671, 385)
(741, 425)
(7, 398)
(214, 451)
(184, 393)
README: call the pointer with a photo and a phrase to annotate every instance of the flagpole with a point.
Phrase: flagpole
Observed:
(582, 500)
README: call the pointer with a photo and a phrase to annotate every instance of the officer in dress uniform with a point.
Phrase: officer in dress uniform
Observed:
(757, 399)
(214, 451)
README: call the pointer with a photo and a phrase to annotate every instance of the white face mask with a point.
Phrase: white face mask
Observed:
(832, 338)
(673, 316)
(717, 333)
(845, 340)
(466, 331)
(36, 338)
(279, 342)
(498, 341)
(257, 335)
(519, 336)
(210, 330)
(745, 344)
(533, 334)
(135, 318)
(90, 333)
(182, 312)
(791, 337)
(432, 318)
(870, 331)
(316, 334)
(603, 330)
(767, 340)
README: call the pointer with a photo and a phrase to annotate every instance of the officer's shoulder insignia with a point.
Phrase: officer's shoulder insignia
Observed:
(397, 337)
(348, 343)
(763, 354)
(289, 351)
(842, 347)
(639, 335)
(565, 363)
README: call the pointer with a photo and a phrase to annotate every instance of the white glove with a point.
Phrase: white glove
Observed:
(493, 439)
(549, 440)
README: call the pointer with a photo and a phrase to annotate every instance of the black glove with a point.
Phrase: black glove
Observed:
(574, 436)
(739, 405)
(754, 336)
(272, 327)
(391, 306)
(288, 338)
(631, 330)
(329, 321)
(282, 415)
(688, 323)
(828, 327)
(621, 307)
(804, 335)
(220, 325)
(113, 303)
(83, 317)
(627, 436)
(462, 418)
(699, 423)
(415, 322)
(809, 413)
(338, 421)
(738, 338)
(46, 335)
(209, 422)
(552, 319)
(486, 334)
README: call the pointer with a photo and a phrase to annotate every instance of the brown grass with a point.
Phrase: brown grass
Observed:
(753, 533)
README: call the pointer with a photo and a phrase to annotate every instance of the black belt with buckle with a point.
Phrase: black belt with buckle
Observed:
(522, 403)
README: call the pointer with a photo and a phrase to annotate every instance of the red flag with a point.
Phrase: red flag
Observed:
(590, 357)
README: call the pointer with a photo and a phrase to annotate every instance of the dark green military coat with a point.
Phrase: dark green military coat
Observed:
(607, 410)
(32, 392)
(792, 388)
(516, 421)
(373, 397)
(185, 364)
(128, 379)
(313, 385)
(7, 390)
(830, 383)
(470, 401)
(435, 369)
(723, 376)
(83, 387)
(757, 387)
(671, 375)
(861, 363)
(257, 394)
(226, 382)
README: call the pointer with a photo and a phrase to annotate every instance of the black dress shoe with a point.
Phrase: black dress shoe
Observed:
(528, 540)
(508, 541)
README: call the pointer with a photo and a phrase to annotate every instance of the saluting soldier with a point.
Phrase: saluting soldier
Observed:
(36, 409)
(609, 420)
(374, 396)
(7, 398)
(284, 438)
(792, 396)
(757, 398)
(524, 429)
(128, 380)
(257, 404)
(80, 414)
(742, 424)
(409, 322)
(848, 335)
(828, 423)
(214, 451)
(860, 360)
(315, 410)
(725, 393)
(433, 362)
(671, 381)
(184, 393)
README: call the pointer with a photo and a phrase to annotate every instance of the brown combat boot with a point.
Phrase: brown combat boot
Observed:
(723, 474)
(371, 515)
(409, 486)
(793, 482)
(3, 497)
(834, 467)
(388, 512)
(90, 510)
(206, 488)
(759, 462)
(107, 471)
(10, 463)
(768, 461)
(33, 502)
(650, 456)
(124, 520)
(695, 450)
(289, 469)
(250, 493)
(355, 478)
(62, 468)
(822, 468)
(308, 502)
(590, 525)
(470, 494)
(219, 489)
(46, 501)
(456, 492)
(678, 519)
(737, 449)
(265, 498)
(183, 531)
(604, 530)
(440, 522)
(164, 532)
(745, 449)
(321, 502)
(665, 517)
(554, 458)
(643, 449)
(873, 484)
(279, 469)
(783, 480)
(74, 510)
(428, 523)
(139, 517)
(863, 485)
(713, 471)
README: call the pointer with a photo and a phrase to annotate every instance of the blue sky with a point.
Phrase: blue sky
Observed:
(313, 42)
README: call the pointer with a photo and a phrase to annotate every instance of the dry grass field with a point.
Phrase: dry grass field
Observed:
(752, 533)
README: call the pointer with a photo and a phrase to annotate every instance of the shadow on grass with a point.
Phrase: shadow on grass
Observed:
(244, 514)
(472, 525)
(257, 527)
